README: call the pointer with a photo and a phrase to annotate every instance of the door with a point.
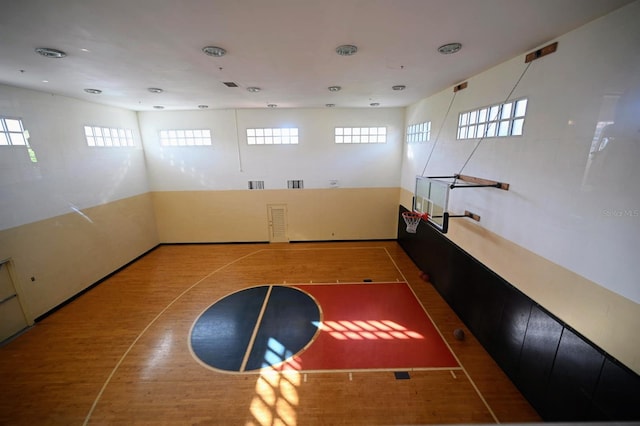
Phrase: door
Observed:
(12, 318)
(278, 223)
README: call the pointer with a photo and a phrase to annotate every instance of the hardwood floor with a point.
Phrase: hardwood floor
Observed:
(119, 354)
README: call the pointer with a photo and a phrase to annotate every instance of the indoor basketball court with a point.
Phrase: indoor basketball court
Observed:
(342, 212)
(342, 333)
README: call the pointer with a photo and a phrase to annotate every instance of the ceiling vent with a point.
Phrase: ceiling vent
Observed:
(230, 84)
(214, 51)
(346, 50)
(48, 52)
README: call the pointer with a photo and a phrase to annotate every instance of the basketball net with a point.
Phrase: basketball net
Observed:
(412, 219)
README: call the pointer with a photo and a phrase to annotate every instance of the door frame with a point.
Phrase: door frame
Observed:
(270, 208)
(13, 277)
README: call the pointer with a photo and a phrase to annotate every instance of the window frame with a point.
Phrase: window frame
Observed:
(493, 121)
(355, 135)
(108, 137)
(172, 138)
(6, 132)
(419, 132)
(261, 136)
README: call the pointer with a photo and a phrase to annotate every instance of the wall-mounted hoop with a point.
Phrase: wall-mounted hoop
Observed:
(412, 219)
(431, 196)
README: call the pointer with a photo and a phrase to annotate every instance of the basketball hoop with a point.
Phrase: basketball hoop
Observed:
(412, 219)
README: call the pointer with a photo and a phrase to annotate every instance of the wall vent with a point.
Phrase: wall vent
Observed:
(256, 184)
(295, 184)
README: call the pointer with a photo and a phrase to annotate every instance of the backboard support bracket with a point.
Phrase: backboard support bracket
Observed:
(468, 214)
(475, 182)
(432, 197)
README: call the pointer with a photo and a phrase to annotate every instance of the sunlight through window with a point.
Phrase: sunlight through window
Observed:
(394, 325)
(335, 326)
(380, 326)
(368, 335)
(365, 325)
(353, 335)
(276, 396)
(384, 335)
(367, 330)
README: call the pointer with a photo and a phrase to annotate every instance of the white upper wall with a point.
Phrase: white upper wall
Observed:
(577, 209)
(68, 175)
(230, 163)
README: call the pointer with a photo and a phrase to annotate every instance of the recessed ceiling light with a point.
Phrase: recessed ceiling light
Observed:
(346, 50)
(334, 88)
(272, 105)
(399, 87)
(329, 105)
(214, 51)
(93, 91)
(155, 90)
(447, 49)
(158, 107)
(85, 50)
(253, 89)
(45, 81)
(48, 52)
(203, 106)
(374, 104)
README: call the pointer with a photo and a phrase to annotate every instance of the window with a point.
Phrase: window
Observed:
(11, 132)
(256, 184)
(273, 136)
(295, 184)
(419, 132)
(108, 136)
(187, 137)
(498, 120)
(361, 135)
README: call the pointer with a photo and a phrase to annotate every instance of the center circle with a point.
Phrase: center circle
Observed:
(255, 328)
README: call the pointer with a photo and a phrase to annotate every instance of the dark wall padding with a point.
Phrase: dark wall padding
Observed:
(564, 376)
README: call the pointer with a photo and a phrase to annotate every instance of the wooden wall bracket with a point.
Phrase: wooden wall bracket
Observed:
(482, 182)
(460, 86)
(475, 182)
(550, 48)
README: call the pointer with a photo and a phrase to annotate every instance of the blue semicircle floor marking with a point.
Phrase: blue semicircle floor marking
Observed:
(221, 336)
(222, 333)
(288, 325)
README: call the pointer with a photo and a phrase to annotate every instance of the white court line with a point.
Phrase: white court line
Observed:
(255, 330)
(484, 401)
(121, 360)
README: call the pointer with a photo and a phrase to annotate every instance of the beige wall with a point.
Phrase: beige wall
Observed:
(604, 317)
(312, 214)
(67, 253)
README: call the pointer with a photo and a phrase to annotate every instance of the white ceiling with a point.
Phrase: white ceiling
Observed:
(285, 47)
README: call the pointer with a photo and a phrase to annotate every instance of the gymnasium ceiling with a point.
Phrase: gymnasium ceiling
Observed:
(284, 47)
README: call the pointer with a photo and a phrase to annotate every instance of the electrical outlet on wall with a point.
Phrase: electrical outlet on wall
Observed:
(334, 183)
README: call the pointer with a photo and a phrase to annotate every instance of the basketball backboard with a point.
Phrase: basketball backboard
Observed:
(432, 197)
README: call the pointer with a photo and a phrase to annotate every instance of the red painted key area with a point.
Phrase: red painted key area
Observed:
(371, 326)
